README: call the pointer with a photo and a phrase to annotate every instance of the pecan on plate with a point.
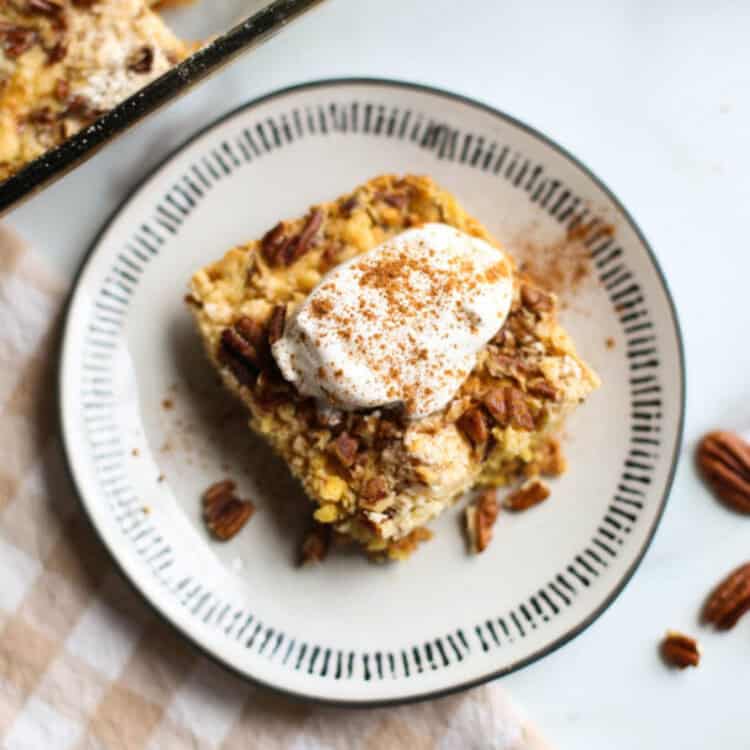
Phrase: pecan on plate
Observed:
(729, 600)
(480, 518)
(223, 512)
(530, 493)
(680, 650)
(724, 460)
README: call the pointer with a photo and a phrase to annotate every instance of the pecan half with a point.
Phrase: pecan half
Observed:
(223, 512)
(680, 650)
(315, 545)
(298, 247)
(345, 448)
(507, 405)
(518, 409)
(496, 405)
(473, 424)
(480, 519)
(274, 243)
(252, 331)
(239, 355)
(530, 493)
(276, 324)
(724, 461)
(729, 600)
(142, 60)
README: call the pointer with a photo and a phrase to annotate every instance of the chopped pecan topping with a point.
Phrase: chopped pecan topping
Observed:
(395, 199)
(480, 519)
(345, 448)
(236, 343)
(680, 650)
(223, 512)
(303, 242)
(529, 494)
(276, 324)
(388, 430)
(17, 39)
(535, 299)
(504, 338)
(45, 7)
(502, 365)
(251, 330)
(496, 405)
(349, 205)
(507, 405)
(56, 52)
(274, 243)
(239, 355)
(315, 545)
(729, 600)
(473, 424)
(142, 60)
(41, 116)
(374, 489)
(518, 409)
(542, 389)
(61, 90)
(271, 390)
(724, 460)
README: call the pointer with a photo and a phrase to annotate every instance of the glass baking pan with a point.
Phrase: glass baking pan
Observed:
(250, 32)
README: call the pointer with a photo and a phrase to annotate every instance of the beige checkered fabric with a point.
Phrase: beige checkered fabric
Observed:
(83, 662)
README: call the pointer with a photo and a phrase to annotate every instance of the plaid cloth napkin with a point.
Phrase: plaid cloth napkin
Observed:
(84, 663)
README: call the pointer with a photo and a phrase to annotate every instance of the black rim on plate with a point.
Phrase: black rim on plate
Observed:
(626, 577)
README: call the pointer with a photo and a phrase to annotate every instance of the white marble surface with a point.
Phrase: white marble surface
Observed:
(653, 96)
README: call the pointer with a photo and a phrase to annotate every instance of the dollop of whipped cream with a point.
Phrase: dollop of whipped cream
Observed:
(399, 325)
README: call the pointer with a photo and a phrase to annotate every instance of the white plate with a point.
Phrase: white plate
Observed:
(349, 631)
